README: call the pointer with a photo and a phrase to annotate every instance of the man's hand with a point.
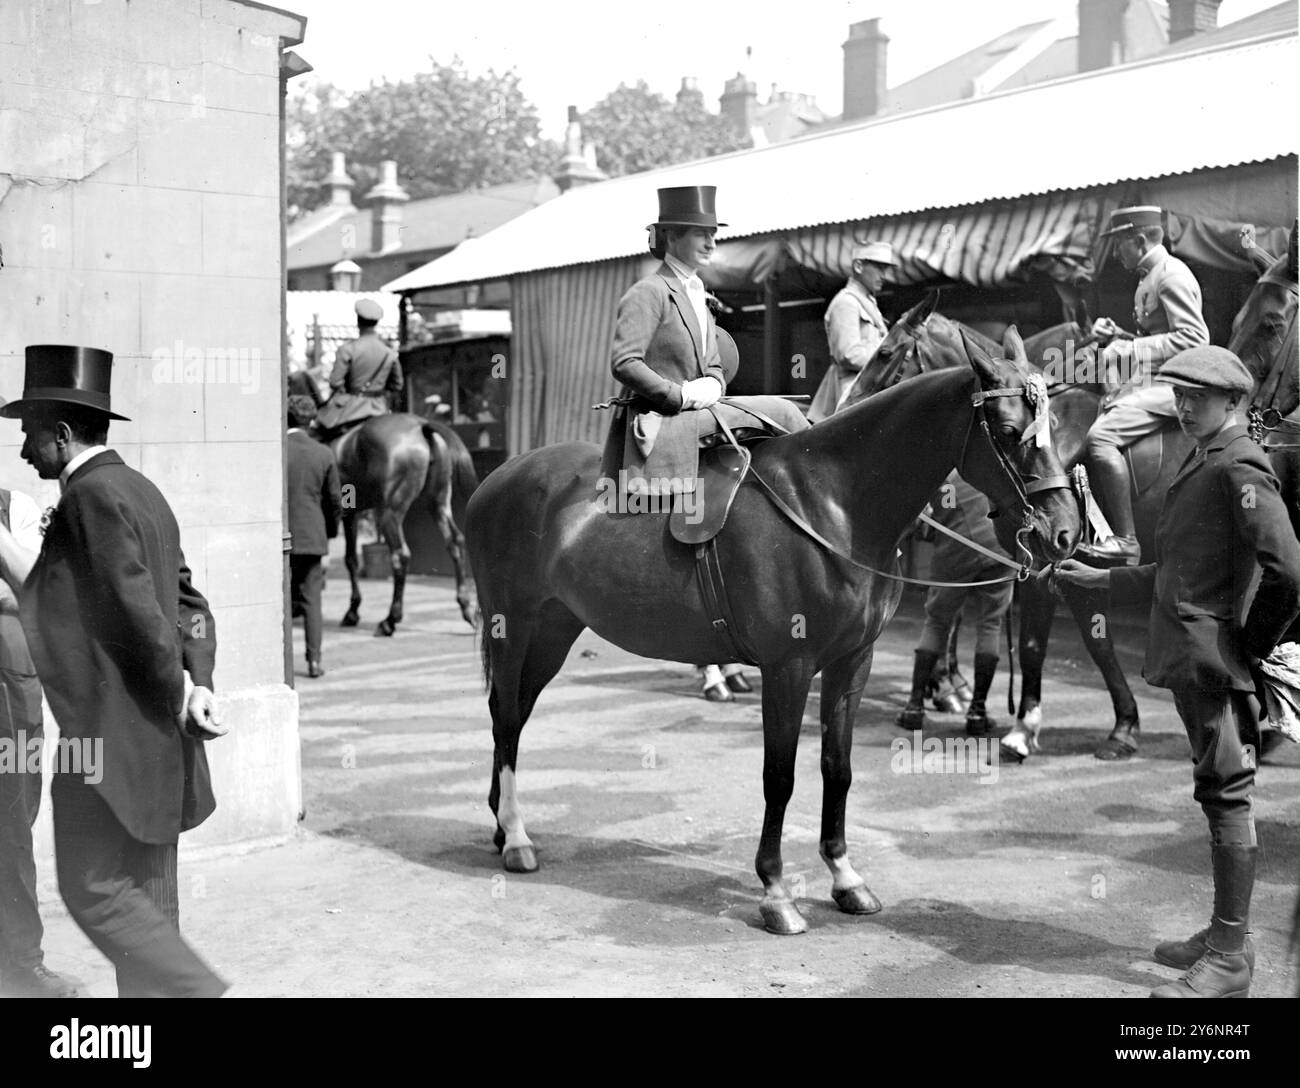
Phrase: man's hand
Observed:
(1080, 575)
(700, 392)
(201, 717)
(1105, 329)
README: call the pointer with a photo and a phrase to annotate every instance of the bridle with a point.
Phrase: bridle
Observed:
(1263, 420)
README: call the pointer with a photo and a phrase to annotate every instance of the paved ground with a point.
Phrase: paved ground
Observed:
(645, 801)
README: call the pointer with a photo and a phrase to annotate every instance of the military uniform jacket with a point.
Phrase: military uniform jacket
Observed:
(1223, 520)
(312, 485)
(1166, 311)
(854, 331)
(112, 618)
(367, 366)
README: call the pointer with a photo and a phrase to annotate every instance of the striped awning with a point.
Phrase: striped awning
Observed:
(989, 245)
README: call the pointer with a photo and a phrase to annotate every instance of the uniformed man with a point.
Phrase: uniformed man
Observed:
(366, 370)
(1223, 523)
(1167, 312)
(854, 327)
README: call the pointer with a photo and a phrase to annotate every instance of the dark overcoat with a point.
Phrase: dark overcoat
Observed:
(112, 618)
(314, 500)
(1223, 525)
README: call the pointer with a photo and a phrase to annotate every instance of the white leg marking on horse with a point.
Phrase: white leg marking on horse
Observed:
(508, 814)
(843, 875)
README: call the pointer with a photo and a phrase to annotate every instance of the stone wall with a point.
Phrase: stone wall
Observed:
(140, 212)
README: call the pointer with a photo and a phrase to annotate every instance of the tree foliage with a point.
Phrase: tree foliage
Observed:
(448, 131)
(635, 129)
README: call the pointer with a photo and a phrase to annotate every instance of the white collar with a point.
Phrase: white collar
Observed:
(81, 458)
(680, 270)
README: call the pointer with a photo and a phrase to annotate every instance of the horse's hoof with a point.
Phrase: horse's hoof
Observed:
(1008, 754)
(385, 629)
(1115, 749)
(350, 619)
(521, 859)
(782, 917)
(857, 900)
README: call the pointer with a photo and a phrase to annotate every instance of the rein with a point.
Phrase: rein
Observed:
(1023, 491)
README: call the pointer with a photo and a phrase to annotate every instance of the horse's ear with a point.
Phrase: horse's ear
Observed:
(1013, 347)
(918, 314)
(980, 360)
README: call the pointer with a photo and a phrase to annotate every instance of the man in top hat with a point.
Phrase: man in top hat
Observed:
(1223, 525)
(1167, 312)
(114, 624)
(366, 370)
(854, 327)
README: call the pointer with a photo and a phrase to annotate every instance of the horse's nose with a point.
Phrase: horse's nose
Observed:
(1064, 542)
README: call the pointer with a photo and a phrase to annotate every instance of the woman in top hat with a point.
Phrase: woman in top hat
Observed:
(667, 355)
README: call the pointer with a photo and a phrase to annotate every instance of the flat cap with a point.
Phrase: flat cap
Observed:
(1135, 218)
(369, 310)
(876, 252)
(1207, 367)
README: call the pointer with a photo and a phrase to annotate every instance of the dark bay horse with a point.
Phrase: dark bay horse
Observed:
(549, 562)
(387, 464)
(922, 340)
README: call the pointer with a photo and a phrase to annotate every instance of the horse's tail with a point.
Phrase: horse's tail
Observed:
(464, 480)
(485, 651)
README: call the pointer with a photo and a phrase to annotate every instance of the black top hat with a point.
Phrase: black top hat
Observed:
(687, 206)
(65, 374)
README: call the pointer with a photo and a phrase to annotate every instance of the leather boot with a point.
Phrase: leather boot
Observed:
(1109, 478)
(1225, 969)
(912, 716)
(978, 723)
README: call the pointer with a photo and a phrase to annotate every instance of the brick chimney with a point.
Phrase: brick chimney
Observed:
(1188, 17)
(689, 94)
(739, 103)
(339, 184)
(865, 53)
(578, 167)
(386, 200)
(1101, 33)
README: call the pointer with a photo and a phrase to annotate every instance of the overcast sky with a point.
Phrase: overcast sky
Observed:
(576, 51)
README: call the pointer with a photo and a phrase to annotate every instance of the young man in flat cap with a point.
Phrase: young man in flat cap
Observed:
(1222, 523)
(854, 327)
(1167, 312)
(114, 623)
(366, 370)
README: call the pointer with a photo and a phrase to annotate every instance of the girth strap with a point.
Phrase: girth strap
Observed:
(713, 591)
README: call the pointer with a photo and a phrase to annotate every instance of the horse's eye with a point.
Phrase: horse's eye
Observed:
(1009, 433)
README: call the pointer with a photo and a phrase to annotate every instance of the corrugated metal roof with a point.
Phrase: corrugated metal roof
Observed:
(1151, 119)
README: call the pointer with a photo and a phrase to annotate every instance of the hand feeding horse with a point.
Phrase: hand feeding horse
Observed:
(923, 340)
(387, 464)
(550, 561)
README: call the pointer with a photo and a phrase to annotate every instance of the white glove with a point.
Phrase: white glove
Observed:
(1105, 329)
(700, 392)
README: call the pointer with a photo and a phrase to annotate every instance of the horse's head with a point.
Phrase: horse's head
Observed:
(903, 353)
(1008, 455)
(1260, 336)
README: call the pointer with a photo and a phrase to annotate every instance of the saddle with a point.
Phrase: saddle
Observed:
(1146, 457)
(697, 517)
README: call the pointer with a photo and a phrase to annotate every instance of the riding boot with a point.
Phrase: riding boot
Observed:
(1225, 966)
(912, 716)
(978, 723)
(941, 692)
(1109, 478)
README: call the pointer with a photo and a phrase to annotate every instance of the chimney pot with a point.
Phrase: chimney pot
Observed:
(1188, 17)
(739, 103)
(339, 184)
(386, 200)
(865, 56)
